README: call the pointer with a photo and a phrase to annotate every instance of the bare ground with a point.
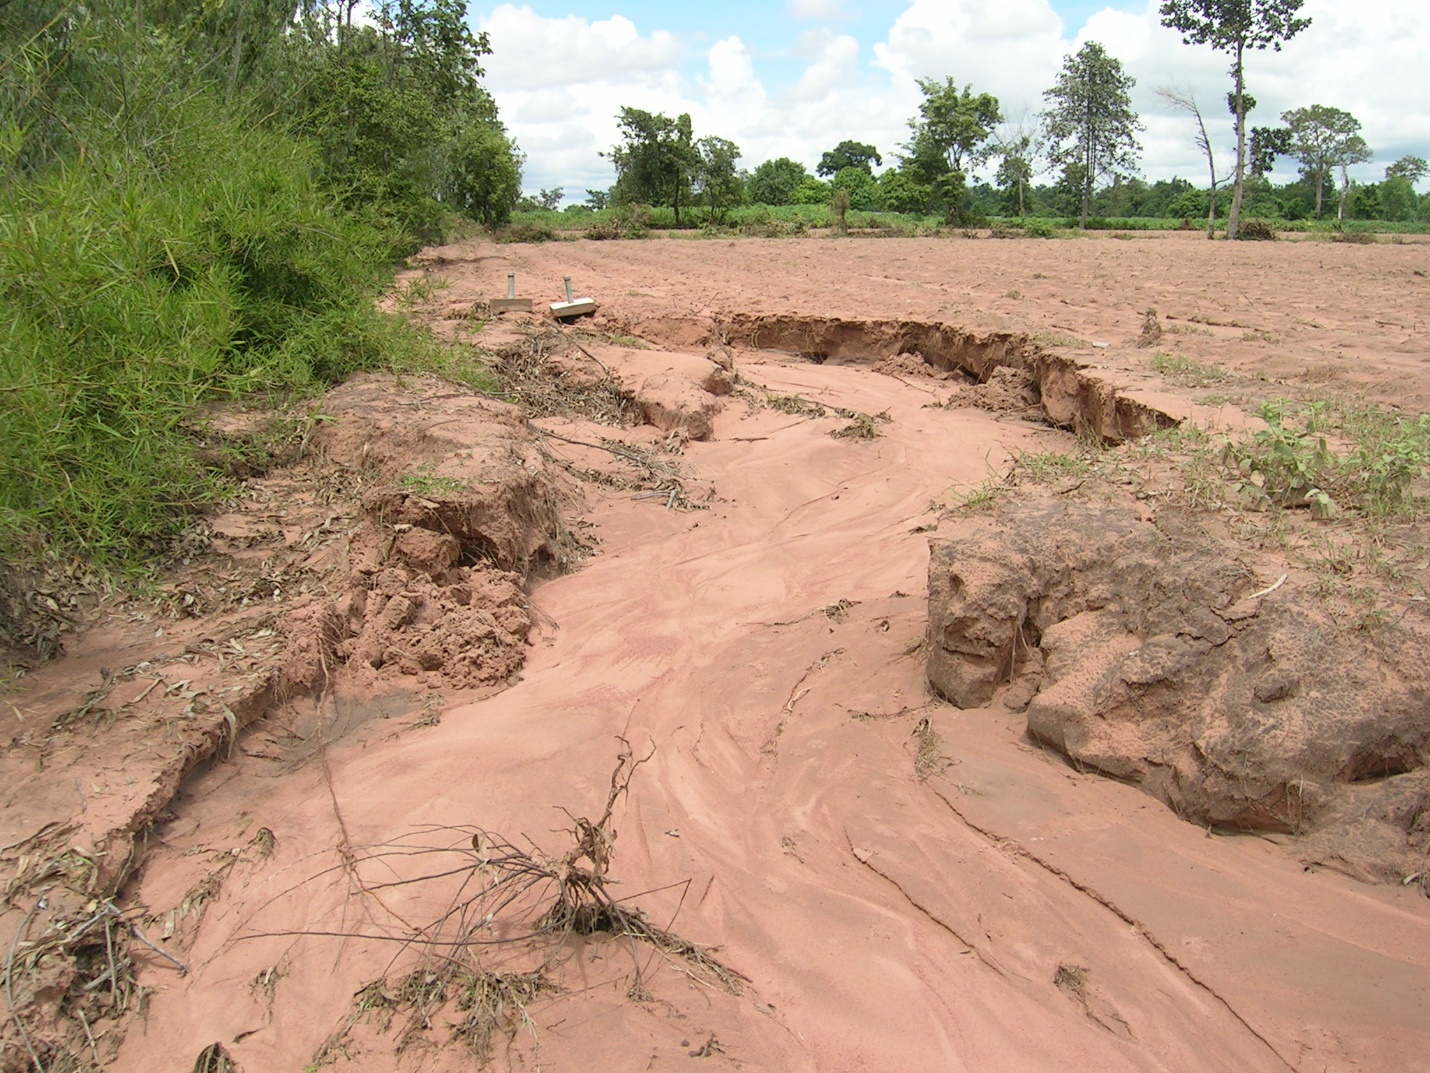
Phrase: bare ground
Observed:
(287, 771)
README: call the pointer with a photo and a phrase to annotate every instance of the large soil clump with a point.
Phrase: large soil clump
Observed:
(1156, 655)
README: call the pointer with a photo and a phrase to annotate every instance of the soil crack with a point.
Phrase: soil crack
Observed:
(1017, 849)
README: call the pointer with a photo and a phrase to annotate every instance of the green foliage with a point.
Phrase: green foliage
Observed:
(812, 192)
(483, 174)
(899, 191)
(404, 129)
(775, 182)
(656, 160)
(1296, 467)
(1090, 122)
(133, 295)
(849, 154)
(1323, 138)
(718, 182)
(199, 202)
(1233, 26)
(860, 188)
(950, 138)
(1410, 168)
(1186, 371)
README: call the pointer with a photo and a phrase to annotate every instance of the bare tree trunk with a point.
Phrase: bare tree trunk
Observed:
(1345, 192)
(1320, 191)
(1233, 220)
(1211, 210)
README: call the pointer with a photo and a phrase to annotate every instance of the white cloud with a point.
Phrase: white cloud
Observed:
(561, 81)
(824, 10)
(529, 51)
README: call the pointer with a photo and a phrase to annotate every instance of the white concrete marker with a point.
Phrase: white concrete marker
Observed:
(573, 306)
(511, 303)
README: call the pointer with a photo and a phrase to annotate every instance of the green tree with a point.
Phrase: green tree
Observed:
(1234, 26)
(482, 177)
(775, 181)
(1410, 168)
(1089, 120)
(899, 191)
(950, 138)
(1323, 138)
(1397, 192)
(656, 160)
(391, 107)
(812, 192)
(717, 179)
(848, 154)
(860, 185)
(1015, 170)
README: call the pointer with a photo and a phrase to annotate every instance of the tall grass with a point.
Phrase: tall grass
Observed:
(142, 277)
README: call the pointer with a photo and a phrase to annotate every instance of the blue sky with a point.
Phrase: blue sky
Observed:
(795, 77)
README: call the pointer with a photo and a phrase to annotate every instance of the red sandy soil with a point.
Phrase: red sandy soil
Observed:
(1007, 913)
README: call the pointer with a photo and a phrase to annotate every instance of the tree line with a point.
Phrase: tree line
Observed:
(1085, 136)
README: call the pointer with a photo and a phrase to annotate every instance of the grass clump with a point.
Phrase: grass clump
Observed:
(134, 294)
(1187, 372)
(1051, 467)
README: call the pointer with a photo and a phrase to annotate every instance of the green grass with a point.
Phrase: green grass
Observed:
(138, 289)
(1186, 372)
(1051, 467)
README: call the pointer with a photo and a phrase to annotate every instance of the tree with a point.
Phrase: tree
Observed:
(1233, 26)
(812, 192)
(656, 161)
(1322, 138)
(775, 181)
(1397, 192)
(1186, 102)
(848, 154)
(1090, 121)
(1410, 168)
(1017, 146)
(950, 138)
(717, 180)
(901, 192)
(483, 174)
(860, 185)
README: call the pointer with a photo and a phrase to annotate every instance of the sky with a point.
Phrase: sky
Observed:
(796, 77)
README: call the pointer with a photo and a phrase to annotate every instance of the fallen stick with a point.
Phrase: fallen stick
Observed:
(1271, 588)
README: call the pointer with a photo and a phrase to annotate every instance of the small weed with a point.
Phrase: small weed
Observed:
(1051, 467)
(424, 482)
(418, 291)
(1258, 335)
(982, 496)
(1186, 372)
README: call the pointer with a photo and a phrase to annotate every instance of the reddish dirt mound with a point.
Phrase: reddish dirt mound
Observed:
(1159, 655)
(397, 551)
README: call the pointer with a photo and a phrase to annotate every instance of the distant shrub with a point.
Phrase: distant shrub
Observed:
(1255, 231)
(526, 233)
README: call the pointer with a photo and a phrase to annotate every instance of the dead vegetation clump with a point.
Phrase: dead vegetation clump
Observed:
(500, 944)
(540, 374)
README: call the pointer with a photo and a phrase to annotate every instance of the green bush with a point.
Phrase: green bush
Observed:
(132, 294)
